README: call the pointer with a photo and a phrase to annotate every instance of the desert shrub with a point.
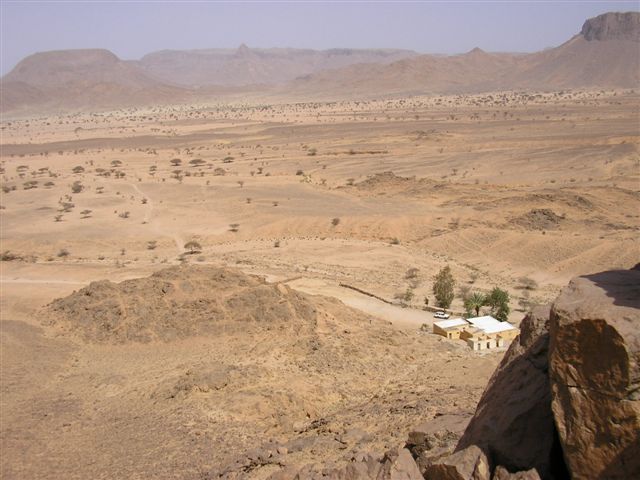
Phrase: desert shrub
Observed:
(411, 273)
(193, 246)
(526, 283)
(7, 256)
(77, 187)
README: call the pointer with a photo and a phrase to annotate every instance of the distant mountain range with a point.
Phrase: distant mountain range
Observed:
(254, 66)
(605, 54)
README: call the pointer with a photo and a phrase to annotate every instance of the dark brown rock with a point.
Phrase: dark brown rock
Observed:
(595, 374)
(513, 422)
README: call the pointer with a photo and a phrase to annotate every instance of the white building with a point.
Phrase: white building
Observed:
(480, 333)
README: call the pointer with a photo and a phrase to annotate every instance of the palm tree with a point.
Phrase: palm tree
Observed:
(475, 302)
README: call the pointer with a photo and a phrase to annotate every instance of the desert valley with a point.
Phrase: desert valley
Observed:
(235, 279)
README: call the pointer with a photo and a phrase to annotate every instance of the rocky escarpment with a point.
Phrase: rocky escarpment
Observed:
(613, 26)
(563, 403)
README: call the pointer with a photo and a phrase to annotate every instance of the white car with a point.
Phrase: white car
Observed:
(442, 315)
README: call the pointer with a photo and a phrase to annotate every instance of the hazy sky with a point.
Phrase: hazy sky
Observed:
(133, 28)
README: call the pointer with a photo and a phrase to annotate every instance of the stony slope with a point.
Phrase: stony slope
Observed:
(202, 372)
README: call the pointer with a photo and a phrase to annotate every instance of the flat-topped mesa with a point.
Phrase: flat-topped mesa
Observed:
(613, 26)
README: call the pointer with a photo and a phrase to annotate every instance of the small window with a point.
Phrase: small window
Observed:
(488, 344)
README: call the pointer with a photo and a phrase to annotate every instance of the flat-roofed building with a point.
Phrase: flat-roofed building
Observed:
(486, 332)
(450, 328)
(480, 333)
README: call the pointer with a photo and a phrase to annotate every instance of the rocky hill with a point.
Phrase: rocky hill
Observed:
(79, 79)
(176, 303)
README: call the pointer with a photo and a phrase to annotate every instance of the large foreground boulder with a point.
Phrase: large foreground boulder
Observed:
(595, 374)
(513, 423)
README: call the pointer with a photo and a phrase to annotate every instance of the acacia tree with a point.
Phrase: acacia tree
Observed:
(443, 287)
(498, 300)
(193, 246)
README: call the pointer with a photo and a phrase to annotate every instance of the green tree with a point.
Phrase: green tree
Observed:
(475, 302)
(498, 300)
(443, 287)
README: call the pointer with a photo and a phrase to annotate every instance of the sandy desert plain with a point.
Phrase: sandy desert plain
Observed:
(521, 190)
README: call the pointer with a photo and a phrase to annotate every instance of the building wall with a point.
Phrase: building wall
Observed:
(453, 333)
(477, 340)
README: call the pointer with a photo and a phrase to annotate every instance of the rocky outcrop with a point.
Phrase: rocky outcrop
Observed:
(613, 25)
(595, 374)
(396, 464)
(513, 423)
(436, 439)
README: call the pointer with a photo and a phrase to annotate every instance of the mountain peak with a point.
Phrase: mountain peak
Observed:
(476, 51)
(613, 26)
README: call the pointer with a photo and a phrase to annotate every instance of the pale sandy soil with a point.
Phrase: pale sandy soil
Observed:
(481, 165)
